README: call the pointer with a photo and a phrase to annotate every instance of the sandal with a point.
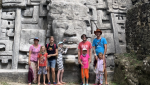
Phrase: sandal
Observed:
(49, 83)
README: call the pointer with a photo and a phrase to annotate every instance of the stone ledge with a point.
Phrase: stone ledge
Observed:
(21, 76)
(14, 75)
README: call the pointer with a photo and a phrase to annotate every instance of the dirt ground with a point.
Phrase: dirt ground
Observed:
(14, 83)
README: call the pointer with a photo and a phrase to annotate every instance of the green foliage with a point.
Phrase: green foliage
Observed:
(4, 83)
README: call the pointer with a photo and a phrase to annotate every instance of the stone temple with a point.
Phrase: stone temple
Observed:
(22, 20)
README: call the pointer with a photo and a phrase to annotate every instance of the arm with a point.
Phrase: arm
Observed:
(80, 62)
(94, 52)
(90, 56)
(79, 55)
(103, 66)
(53, 54)
(38, 62)
(89, 61)
(105, 45)
(29, 58)
(64, 52)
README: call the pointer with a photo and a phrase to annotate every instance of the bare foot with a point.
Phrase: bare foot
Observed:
(63, 82)
(59, 83)
(38, 83)
(44, 84)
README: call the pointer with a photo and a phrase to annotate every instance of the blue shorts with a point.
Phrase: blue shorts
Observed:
(52, 63)
(42, 70)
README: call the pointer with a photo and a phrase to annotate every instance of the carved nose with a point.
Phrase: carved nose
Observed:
(70, 31)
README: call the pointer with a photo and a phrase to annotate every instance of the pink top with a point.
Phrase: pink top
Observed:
(86, 45)
(84, 60)
(34, 52)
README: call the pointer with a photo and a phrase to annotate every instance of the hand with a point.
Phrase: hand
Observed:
(29, 63)
(88, 66)
(82, 64)
(90, 61)
(49, 56)
(104, 56)
(64, 40)
(96, 57)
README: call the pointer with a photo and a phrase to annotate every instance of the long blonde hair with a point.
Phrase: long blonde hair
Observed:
(41, 50)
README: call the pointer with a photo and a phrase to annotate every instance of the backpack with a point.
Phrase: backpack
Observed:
(54, 47)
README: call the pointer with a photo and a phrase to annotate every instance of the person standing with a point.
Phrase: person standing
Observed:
(33, 53)
(52, 51)
(61, 51)
(100, 45)
(84, 61)
(84, 44)
(42, 64)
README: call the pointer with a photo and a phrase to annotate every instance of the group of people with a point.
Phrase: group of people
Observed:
(42, 59)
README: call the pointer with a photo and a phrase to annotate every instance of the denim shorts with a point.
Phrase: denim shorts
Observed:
(52, 63)
(42, 70)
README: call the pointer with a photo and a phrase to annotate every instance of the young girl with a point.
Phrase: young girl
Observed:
(99, 69)
(84, 61)
(60, 63)
(42, 64)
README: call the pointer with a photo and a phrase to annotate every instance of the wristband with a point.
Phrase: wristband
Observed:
(95, 55)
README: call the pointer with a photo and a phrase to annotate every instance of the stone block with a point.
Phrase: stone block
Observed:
(10, 32)
(110, 61)
(43, 8)
(110, 42)
(8, 24)
(28, 12)
(68, 11)
(35, 18)
(8, 15)
(101, 18)
(13, 3)
(7, 44)
(26, 42)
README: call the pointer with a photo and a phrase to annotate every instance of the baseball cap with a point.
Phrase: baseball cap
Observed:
(36, 38)
(84, 49)
(60, 43)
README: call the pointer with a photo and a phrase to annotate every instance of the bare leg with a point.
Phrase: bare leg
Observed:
(87, 81)
(83, 80)
(48, 74)
(44, 79)
(58, 74)
(39, 79)
(53, 74)
(105, 75)
(61, 76)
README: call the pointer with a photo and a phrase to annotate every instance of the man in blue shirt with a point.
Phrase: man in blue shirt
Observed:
(100, 45)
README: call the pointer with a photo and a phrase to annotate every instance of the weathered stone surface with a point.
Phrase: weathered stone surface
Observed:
(110, 42)
(8, 15)
(13, 3)
(68, 10)
(26, 42)
(10, 24)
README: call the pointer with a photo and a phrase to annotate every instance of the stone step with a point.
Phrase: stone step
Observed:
(21, 75)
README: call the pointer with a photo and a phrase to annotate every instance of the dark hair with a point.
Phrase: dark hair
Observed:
(83, 36)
